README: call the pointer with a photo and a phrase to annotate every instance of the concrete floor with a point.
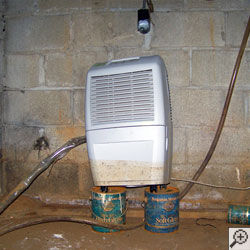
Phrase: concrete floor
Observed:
(63, 235)
(67, 235)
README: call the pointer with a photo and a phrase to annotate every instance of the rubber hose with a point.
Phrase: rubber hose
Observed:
(75, 219)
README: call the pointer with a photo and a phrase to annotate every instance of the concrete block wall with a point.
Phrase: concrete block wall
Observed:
(2, 32)
(50, 45)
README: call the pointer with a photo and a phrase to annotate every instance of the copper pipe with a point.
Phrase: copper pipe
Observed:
(224, 112)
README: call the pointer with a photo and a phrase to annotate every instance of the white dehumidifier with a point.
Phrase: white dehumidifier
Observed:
(128, 122)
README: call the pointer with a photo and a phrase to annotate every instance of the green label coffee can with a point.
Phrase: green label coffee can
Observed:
(238, 214)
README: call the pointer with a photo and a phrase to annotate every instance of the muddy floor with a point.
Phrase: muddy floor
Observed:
(68, 235)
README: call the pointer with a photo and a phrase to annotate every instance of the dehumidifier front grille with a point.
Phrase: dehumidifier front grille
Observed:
(123, 97)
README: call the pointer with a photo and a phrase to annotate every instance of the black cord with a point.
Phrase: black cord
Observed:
(199, 224)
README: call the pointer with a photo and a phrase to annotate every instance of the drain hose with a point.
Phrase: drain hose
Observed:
(21, 223)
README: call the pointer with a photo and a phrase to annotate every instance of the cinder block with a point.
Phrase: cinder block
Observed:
(18, 144)
(220, 5)
(13, 107)
(2, 58)
(18, 148)
(2, 6)
(235, 5)
(215, 68)
(2, 27)
(61, 179)
(120, 4)
(79, 107)
(202, 5)
(170, 5)
(179, 145)
(207, 197)
(236, 25)
(237, 111)
(193, 107)
(228, 175)
(176, 61)
(57, 136)
(182, 171)
(54, 182)
(59, 70)
(24, 6)
(233, 146)
(37, 33)
(22, 71)
(107, 29)
(1, 153)
(57, 6)
(82, 63)
(159, 5)
(247, 175)
(248, 109)
(1, 107)
(38, 107)
(125, 53)
(177, 29)
(78, 156)
(19, 154)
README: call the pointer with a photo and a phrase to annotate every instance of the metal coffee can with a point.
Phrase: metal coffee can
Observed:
(238, 214)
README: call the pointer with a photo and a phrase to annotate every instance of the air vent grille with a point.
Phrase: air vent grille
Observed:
(124, 97)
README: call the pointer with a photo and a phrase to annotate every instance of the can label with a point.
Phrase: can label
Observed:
(109, 207)
(238, 214)
(162, 210)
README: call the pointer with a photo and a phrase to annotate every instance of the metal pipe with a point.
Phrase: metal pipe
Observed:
(224, 113)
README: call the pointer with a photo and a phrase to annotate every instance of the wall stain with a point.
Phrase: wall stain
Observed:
(211, 29)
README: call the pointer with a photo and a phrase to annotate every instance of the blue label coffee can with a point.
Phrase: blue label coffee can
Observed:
(161, 210)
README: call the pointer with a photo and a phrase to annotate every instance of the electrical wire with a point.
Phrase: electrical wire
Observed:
(212, 185)
(207, 224)
(223, 114)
